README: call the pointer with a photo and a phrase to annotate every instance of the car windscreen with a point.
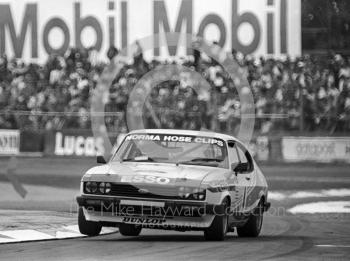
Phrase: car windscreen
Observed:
(178, 149)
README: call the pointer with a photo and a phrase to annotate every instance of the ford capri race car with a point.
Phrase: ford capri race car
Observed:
(177, 180)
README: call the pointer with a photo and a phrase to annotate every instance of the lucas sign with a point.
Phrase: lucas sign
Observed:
(32, 29)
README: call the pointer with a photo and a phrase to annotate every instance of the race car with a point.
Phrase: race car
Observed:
(177, 180)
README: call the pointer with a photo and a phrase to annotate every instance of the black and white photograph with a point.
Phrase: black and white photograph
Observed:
(174, 130)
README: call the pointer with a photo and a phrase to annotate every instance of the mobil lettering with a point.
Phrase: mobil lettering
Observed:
(34, 29)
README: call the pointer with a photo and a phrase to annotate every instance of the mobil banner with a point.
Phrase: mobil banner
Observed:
(9, 142)
(321, 149)
(32, 29)
(73, 143)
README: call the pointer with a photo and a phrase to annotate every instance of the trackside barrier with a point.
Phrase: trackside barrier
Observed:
(31, 141)
(275, 147)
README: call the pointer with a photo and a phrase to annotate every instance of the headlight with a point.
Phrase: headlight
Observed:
(191, 193)
(184, 192)
(101, 188)
(108, 187)
(198, 194)
(104, 187)
(88, 187)
(91, 187)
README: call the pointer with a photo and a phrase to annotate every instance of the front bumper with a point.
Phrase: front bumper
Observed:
(163, 214)
(146, 207)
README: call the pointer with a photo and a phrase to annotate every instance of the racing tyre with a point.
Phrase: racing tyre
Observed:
(89, 228)
(253, 226)
(218, 229)
(129, 230)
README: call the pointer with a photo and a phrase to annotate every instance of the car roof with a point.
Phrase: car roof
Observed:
(209, 134)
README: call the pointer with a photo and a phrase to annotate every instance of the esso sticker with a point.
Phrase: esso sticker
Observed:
(145, 179)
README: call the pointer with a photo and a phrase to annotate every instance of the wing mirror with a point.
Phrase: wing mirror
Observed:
(240, 167)
(101, 159)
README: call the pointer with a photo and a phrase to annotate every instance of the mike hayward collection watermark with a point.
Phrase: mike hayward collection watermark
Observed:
(148, 215)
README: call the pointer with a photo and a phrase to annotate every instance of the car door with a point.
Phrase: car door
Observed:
(236, 183)
(245, 178)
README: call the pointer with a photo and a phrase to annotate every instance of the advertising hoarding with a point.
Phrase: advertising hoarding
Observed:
(9, 142)
(32, 29)
(320, 149)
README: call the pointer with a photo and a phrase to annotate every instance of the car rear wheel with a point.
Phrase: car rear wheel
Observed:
(129, 230)
(253, 226)
(89, 228)
(218, 229)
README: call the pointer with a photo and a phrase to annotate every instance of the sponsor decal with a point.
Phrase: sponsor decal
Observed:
(77, 145)
(146, 179)
(31, 29)
(9, 142)
(323, 149)
(143, 220)
(176, 138)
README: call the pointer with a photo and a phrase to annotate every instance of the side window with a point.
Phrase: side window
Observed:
(245, 157)
(232, 154)
(242, 155)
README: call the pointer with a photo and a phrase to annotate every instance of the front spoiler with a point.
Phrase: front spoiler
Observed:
(100, 203)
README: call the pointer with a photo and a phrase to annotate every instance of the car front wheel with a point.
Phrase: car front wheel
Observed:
(218, 229)
(253, 226)
(89, 228)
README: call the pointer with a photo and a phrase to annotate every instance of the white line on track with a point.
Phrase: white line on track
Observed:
(322, 207)
(11, 236)
(278, 195)
(344, 246)
(26, 234)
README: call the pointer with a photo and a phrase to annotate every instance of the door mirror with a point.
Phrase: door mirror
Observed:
(240, 167)
(101, 159)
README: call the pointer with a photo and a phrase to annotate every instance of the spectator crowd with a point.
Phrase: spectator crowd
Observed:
(305, 94)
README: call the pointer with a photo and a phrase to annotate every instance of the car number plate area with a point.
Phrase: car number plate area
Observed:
(126, 202)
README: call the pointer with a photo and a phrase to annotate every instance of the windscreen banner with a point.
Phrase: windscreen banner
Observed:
(9, 142)
(320, 149)
(33, 29)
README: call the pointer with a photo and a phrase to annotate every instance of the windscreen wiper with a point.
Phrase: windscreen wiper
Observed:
(206, 159)
(139, 158)
(201, 161)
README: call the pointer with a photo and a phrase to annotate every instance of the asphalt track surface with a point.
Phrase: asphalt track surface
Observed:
(284, 236)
